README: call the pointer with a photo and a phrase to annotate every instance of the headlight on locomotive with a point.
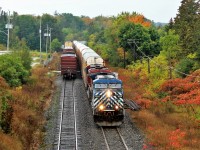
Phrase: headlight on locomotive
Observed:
(116, 107)
(108, 93)
(101, 107)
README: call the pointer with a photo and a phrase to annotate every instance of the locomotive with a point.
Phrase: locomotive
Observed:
(68, 61)
(103, 87)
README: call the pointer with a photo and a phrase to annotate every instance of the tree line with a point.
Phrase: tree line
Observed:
(121, 39)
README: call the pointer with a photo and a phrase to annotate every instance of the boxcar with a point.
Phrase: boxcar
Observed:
(68, 65)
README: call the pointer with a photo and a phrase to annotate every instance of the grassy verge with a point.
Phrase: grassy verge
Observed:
(28, 104)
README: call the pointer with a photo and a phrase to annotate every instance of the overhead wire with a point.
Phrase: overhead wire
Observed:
(165, 67)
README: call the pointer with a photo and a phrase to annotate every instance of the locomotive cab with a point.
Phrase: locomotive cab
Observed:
(107, 101)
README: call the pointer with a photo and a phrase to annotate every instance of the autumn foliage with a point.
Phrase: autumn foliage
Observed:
(183, 91)
(28, 105)
(139, 19)
(170, 114)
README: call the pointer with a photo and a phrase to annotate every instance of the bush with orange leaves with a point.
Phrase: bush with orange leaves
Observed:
(183, 91)
(177, 139)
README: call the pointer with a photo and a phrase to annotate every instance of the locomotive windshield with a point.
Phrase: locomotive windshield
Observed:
(100, 86)
(115, 86)
(111, 86)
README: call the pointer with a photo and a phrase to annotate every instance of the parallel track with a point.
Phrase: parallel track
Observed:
(67, 135)
(114, 139)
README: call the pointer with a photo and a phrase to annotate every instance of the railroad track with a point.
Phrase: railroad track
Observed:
(113, 138)
(67, 137)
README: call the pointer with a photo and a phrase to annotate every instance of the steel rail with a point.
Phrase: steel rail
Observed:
(123, 141)
(61, 118)
(107, 146)
(75, 119)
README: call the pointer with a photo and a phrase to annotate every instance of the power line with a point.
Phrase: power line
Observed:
(165, 67)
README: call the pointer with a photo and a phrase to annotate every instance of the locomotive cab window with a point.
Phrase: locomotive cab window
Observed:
(115, 86)
(100, 86)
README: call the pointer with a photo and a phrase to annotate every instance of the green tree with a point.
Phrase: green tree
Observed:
(26, 28)
(3, 20)
(12, 70)
(187, 26)
(136, 37)
(170, 25)
(56, 45)
(170, 49)
(170, 44)
(184, 67)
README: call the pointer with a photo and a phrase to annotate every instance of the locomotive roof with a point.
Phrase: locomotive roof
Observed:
(108, 79)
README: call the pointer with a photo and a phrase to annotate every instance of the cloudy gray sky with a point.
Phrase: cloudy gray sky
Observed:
(156, 10)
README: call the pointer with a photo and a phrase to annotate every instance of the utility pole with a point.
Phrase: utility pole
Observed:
(124, 59)
(170, 64)
(8, 26)
(40, 31)
(148, 61)
(46, 35)
(134, 53)
(50, 39)
(130, 42)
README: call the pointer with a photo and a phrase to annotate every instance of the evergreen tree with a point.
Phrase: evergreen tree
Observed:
(3, 20)
(170, 26)
(186, 25)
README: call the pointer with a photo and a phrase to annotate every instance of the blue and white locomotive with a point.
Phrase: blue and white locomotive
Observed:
(107, 101)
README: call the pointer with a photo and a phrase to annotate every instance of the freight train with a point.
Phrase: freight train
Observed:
(104, 89)
(68, 61)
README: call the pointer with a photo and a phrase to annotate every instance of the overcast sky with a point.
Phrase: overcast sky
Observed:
(156, 10)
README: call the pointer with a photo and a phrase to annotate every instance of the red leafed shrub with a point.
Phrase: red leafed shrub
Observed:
(195, 101)
(176, 139)
(183, 91)
(145, 103)
(180, 102)
(179, 86)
